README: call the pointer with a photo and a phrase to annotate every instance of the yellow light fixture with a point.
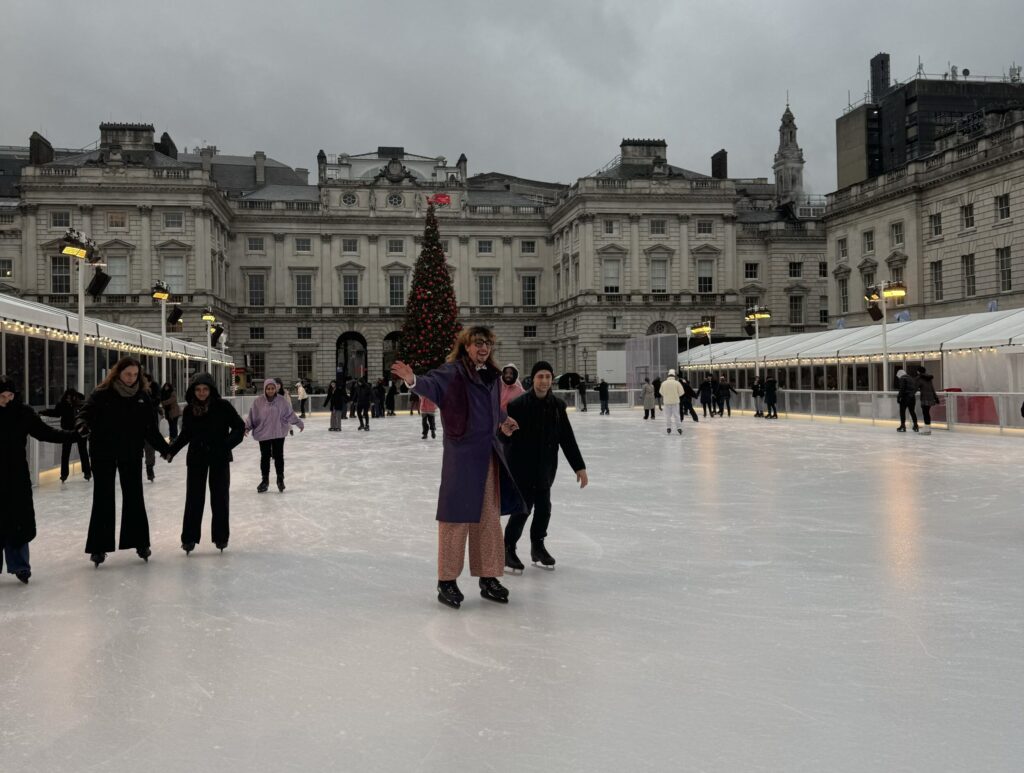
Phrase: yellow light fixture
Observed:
(894, 290)
(208, 315)
(702, 329)
(77, 252)
(161, 292)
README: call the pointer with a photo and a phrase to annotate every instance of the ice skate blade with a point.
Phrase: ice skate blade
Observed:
(539, 565)
(512, 570)
(448, 602)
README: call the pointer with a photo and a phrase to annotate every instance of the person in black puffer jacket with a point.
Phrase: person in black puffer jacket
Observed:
(17, 516)
(906, 385)
(211, 427)
(119, 418)
(928, 397)
(67, 411)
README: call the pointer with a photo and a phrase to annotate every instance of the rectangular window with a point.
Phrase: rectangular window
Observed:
(257, 333)
(614, 323)
(966, 217)
(6, 268)
(174, 221)
(303, 289)
(484, 247)
(936, 279)
(611, 276)
(967, 281)
(659, 276)
(174, 273)
(349, 246)
(705, 227)
(257, 290)
(528, 247)
(60, 218)
(843, 290)
(896, 275)
(117, 268)
(304, 333)
(396, 246)
(935, 224)
(868, 278)
(529, 288)
(896, 234)
(796, 269)
(117, 221)
(485, 289)
(254, 244)
(303, 244)
(396, 290)
(350, 290)
(1003, 206)
(304, 365)
(823, 309)
(1005, 275)
(657, 228)
(751, 301)
(60, 274)
(796, 310)
(841, 249)
(868, 238)
(822, 269)
(558, 284)
(444, 245)
(257, 364)
(529, 331)
(609, 227)
(705, 276)
(751, 270)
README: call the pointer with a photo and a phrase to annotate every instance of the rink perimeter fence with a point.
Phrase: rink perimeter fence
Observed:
(991, 411)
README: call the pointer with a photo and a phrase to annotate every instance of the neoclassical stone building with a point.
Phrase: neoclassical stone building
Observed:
(311, 279)
(948, 224)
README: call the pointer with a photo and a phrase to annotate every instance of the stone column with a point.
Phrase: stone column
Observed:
(587, 257)
(201, 250)
(507, 289)
(463, 294)
(27, 273)
(685, 280)
(328, 244)
(373, 273)
(281, 276)
(730, 252)
(634, 255)
(146, 247)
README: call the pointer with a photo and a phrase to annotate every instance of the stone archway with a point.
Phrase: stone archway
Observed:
(350, 358)
(662, 328)
(392, 342)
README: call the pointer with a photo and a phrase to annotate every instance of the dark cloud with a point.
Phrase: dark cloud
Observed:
(539, 89)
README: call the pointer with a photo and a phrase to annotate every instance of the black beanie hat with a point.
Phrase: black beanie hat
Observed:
(541, 365)
(7, 384)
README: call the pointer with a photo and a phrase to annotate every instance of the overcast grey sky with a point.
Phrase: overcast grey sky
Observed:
(541, 89)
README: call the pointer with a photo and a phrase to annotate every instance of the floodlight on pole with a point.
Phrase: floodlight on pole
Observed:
(879, 294)
(77, 245)
(209, 318)
(755, 314)
(161, 292)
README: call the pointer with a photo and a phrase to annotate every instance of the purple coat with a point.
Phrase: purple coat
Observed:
(470, 415)
(271, 419)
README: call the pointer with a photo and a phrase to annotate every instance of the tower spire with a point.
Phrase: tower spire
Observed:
(789, 160)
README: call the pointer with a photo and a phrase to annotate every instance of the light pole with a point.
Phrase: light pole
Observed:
(878, 294)
(208, 319)
(702, 329)
(162, 292)
(584, 365)
(755, 314)
(75, 244)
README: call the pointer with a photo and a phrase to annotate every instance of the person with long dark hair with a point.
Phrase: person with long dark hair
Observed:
(270, 419)
(119, 418)
(66, 410)
(211, 427)
(17, 516)
(476, 485)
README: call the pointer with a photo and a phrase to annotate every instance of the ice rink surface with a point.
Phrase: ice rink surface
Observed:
(751, 596)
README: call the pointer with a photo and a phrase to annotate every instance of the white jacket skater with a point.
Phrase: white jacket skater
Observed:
(671, 392)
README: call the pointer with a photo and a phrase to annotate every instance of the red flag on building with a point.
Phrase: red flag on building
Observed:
(440, 200)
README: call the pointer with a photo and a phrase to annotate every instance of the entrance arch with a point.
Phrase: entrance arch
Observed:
(392, 342)
(350, 361)
(662, 328)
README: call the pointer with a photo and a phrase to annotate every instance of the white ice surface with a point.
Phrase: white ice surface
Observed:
(752, 596)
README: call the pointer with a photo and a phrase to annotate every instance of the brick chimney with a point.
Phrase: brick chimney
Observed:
(40, 151)
(206, 156)
(720, 165)
(261, 159)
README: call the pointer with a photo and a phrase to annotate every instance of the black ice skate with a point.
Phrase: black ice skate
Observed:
(188, 547)
(150, 473)
(23, 575)
(492, 590)
(448, 593)
(144, 553)
(512, 561)
(679, 430)
(280, 483)
(98, 558)
(540, 556)
(262, 488)
(221, 546)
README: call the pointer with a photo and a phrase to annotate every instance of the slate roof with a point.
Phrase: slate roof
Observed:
(642, 171)
(500, 198)
(147, 158)
(10, 173)
(284, 193)
(237, 174)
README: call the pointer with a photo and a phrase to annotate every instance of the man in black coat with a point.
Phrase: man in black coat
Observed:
(211, 427)
(67, 410)
(602, 395)
(543, 428)
(17, 515)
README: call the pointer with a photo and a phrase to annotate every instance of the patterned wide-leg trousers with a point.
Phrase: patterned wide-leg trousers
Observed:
(486, 541)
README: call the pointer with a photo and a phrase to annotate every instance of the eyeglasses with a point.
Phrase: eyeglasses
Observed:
(482, 343)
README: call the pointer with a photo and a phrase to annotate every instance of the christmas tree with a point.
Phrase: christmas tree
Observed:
(431, 315)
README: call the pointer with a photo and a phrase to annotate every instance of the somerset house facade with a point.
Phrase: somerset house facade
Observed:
(310, 277)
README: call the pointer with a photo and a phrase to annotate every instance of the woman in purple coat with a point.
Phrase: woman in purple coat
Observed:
(476, 486)
(270, 418)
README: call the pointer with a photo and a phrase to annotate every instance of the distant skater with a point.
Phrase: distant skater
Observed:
(270, 420)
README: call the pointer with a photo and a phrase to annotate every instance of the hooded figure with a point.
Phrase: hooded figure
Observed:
(671, 393)
(67, 411)
(928, 398)
(510, 386)
(211, 428)
(17, 516)
(269, 420)
(905, 398)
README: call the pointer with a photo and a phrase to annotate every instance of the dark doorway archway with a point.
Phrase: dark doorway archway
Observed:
(392, 341)
(351, 356)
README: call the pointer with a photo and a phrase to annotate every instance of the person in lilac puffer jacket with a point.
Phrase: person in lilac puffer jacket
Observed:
(269, 420)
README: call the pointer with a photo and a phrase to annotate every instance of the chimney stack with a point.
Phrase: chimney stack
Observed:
(261, 159)
(304, 174)
(720, 165)
(40, 151)
(206, 156)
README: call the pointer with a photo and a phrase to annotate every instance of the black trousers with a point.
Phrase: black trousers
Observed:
(172, 427)
(364, 416)
(771, 409)
(583, 402)
(541, 498)
(728, 408)
(134, 521)
(302, 407)
(272, 448)
(687, 408)
(908, 405)
(83, 455)
(195, 501)
(705, 406)
(926, 414)
(427, 420)
(649, 413)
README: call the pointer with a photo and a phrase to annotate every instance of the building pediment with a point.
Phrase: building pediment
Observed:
(896, 259)
(841, 272)
(706, 250)
(350, 265)
(173, 244)
(796, 288)
(659, 251)
(51, 245)
(117, 244)
(868, 264)
(611, 250)
(396, 266)
(754, 288)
